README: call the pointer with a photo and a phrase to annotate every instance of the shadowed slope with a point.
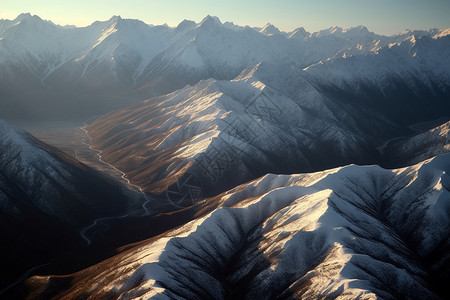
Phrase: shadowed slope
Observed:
(46, 199)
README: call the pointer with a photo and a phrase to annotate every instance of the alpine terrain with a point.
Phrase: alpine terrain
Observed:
(225, 161)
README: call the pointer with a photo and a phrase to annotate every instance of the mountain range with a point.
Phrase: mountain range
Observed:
(347, 233)
(260, 164)
(79, 73)
(273, 119)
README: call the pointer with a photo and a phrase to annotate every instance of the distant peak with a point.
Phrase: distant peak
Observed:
(335, 29)
(442, 33)
(27, 16)
(231, 25)
(24, 16)
(300, 29)
(269, 29)
(115, 18)
(405, 32)
(210, 21)
(329, 31)
(359, 29)
(186, 25)
(299, 33)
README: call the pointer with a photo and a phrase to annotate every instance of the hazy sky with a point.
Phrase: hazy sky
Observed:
(380, 16)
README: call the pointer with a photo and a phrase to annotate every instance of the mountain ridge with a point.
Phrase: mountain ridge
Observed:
(134, 61)
(228, 113)
(349, 232)
(350, 104)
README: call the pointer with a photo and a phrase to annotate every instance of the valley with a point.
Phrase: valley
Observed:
(73, 140)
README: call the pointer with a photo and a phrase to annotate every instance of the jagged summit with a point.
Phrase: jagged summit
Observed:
(329, 31)
(299, 33)
(115, 20)
(270, 30)
(125, 54)
(29, 18)
(209, 21)
(186, 25)
(231, 25)
(361, 28)
(24, 16)
(359, 32)
(34, 19)
(419, 33)
(442, 33)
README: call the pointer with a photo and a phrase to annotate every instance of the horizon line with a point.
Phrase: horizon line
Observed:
(223, 23)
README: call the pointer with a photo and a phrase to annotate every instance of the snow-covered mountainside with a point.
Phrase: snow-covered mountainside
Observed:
(46, 199)
(224, 105)
(348, 233)
(417, 147)
(81, 72)
(414, 72)
(227, 132)
(280, 120)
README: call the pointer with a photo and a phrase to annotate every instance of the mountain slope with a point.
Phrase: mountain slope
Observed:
(351, 232)
(46, 199)
(418, 146)
(414, 73)
(244, 102)
(83, 72)
(278, 120)
(224, 133)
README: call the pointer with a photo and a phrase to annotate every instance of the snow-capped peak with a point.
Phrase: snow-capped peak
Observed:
(358, 32)
(24, 16)
(138, 53)
(299, 33)
(232, 26)
(269, 29)
(30, 19)
(186, 25)
(359, 28)
(210, 21)
(418, 33)
(329, 31)
(442, 33)
(114, 20)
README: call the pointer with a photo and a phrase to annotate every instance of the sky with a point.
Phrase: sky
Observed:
(380, 16)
